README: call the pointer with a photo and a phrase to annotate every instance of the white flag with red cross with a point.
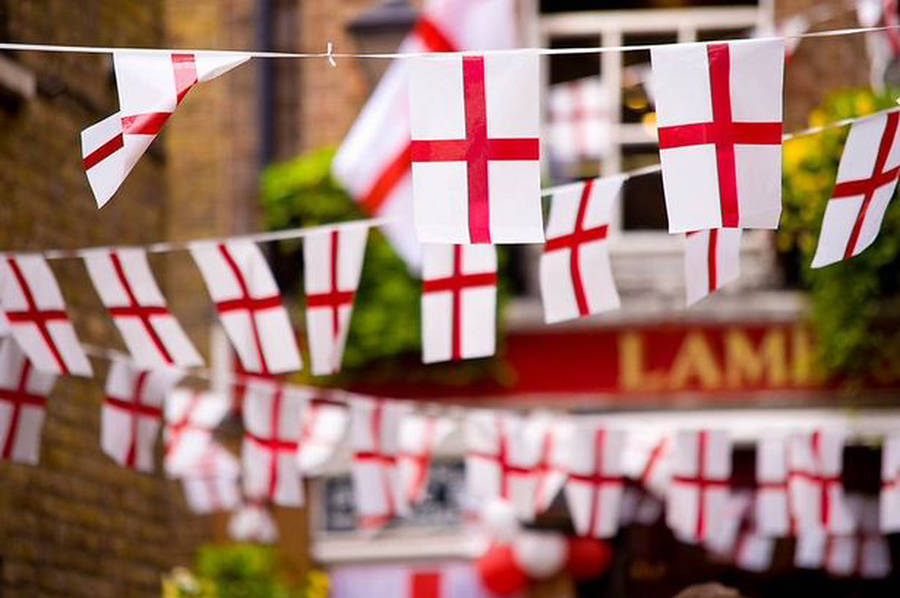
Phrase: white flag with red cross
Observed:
(249, 304)
(373, 162)
(191, 417)
(37, 316)
(815, 483)
(866, 180)
(211, 484)
(440, 580)
(770, 506)
(23, 404)
(151, 85)
(647, 460)
(890, 484)
(579, 120)
(132, 412)
(374, 427)
(125, 284)
(738, 540)
(699, 491)
(475, 127)
(596, 479)
(272, 425)
(323, 429)
(719, 108)
(712, 259)
(253, 522)
(418, 437)
(459, 302)
(332, 264)
(503, 451)
(552, 469)
(575, 271)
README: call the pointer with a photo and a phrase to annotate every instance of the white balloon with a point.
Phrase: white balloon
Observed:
(540, 554)
(499, 519)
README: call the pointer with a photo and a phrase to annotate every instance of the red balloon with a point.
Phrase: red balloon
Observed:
(589, 558)
(499, 572)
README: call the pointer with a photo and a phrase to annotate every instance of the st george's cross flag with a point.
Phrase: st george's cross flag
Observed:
(712, 259)
(128, 290)
(36, 311)
(719, 108)
(699, 490)
(190, 418)
(575, 271)
(438, 580)
(647, 461)
(866, 180)
(323, 429)
(475, 151)
(253, 522)
(332, 264)
(418, 437)
(272, 415)
(738, 540)
(596, 479)
(816, 484)
(249, 304)
(579, 120)
(890, 484)
(132, 412)
(373, 162)
(23, 404)
(552, 467)
(770, 505)
(151, 85)
(459, 302)
(211, 484)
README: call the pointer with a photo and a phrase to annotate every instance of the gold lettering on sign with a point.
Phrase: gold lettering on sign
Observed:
(746, 366)
(803, 361)
(695, 360)
(632, 375)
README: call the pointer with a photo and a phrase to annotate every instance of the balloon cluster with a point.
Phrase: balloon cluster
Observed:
(515, 557)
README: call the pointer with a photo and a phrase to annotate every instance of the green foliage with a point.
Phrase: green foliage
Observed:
(854, 304)
(243, 571)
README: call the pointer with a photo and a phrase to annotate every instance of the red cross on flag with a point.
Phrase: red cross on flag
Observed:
(211, 484)
(770, 507)
(815, 483)
(719, 124)
(866, 180)
(332, 264)
(37, 316)
(272, 423)
(699, 490)
(249, 305)
(132, 411)
(439, 580)
(419, 436)
(648, 461)
(596, 479)
(475, 126)
(253, 522)
(151, 85)
(374, 426)
(575, 272)
(712, 259)
(551, 469)
(23, 403)
(738, 540)
(190, 418)
(459, 302)
(324, 427)
(580, 120)
(373, 162)
(125, 284)
(890, 484)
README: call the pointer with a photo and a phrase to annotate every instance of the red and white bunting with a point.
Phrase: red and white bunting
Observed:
(373, 162)
(503, 451)
(191, 418)
(719, 108)
(332, 264)
(648, 461)
(575, 271)
(249, 305)
(211, 484)
(712, 259)
(738, 540)
(580, 120)
(23, 404)
(125, 284)
(596, 479)
(132, 412)
(551, 470)
(815, 483)
(459, 302)
(866, 180)
(374, 426)
(37, 316)
(475, 127)
(699, 490)
(419, 436)
(253, 522)
(890, 484)
(151, 85)
(440, 580)
(323, 428)
(770, 508)
(272, 424)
